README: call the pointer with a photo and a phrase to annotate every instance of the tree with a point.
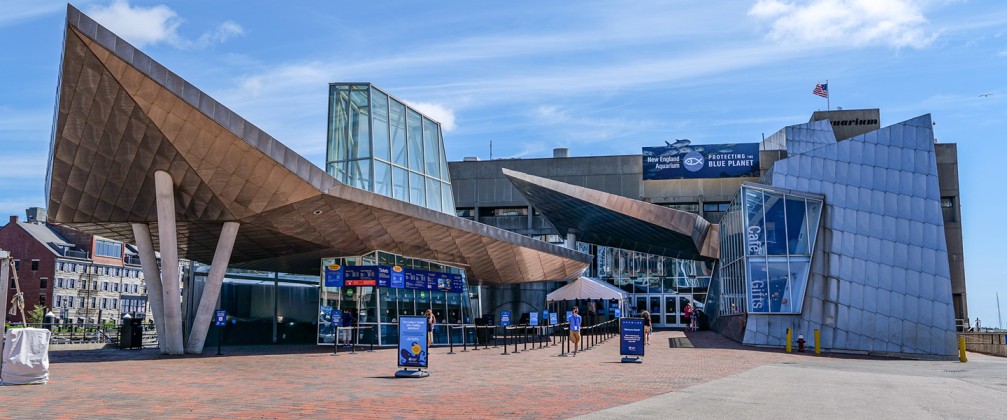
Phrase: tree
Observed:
(37, 314)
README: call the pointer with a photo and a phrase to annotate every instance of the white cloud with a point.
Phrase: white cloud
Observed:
(144, 26)
(438, 112)
(17, 11)
(896, 23)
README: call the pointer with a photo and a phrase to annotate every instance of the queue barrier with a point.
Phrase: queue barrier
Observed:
(354, 342)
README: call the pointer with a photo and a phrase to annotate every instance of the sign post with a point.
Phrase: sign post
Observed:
(220, 319)
(413, 352)
(631, 341)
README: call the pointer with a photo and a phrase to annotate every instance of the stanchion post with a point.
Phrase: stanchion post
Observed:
(353, 342)
(465, 343)
(562, 350)
(525, 338)
(373, 338)
(515, 344)
(335, 343)
(505, 341)
(451, 344)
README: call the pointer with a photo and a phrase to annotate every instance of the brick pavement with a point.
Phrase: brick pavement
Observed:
(307, 381)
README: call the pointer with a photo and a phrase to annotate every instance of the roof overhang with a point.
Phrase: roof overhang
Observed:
(121, 116)
(610, 220)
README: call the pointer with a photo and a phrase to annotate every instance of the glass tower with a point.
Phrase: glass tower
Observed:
(379, 144)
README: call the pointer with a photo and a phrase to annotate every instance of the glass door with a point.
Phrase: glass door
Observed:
(671, 311)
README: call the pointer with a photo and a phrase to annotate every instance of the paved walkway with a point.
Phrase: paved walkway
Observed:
(307, 381)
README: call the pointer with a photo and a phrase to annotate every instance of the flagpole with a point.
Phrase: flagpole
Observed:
(999, 320)
(828, 94)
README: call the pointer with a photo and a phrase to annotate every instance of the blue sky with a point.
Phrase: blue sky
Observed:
(602, 78)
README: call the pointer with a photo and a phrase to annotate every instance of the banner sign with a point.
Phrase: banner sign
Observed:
(392, 276)
(220, 317)
(631, 340)
(413, 341)
(553, 319)
(533, 319)
(618, 312)
(504, 318)
(333, 275)
(683, 160)
(545, 317)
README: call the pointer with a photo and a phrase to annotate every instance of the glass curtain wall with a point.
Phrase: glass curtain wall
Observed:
(767, 239)
(377, 143)
(380, 307)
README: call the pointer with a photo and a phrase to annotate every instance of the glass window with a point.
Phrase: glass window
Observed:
(379, 124)
(775, 225)
(359, 174)
(34, 265)
(360, 136)
(382, 178)
(433, 194)
(43, 283)
(432, 149)
(755, 231)
(447, 199)
(400, 183)
(337, 170)
(758, 286)
(406, 298)
(414, 136)
(339, 114)
(397, 117)
(797, 227)
(778, 280)
(417, 195)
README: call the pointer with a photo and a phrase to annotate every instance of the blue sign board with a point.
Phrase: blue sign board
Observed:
(533, 319)
(545, 317)
(684, 160)
(334, 275)
(504, 318)
(413, 341)
(337, 317)
(618, 312)
(631, 341)
(220, 317)
(398, 278)
(553, 319)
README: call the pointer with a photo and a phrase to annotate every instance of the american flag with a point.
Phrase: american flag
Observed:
(821, 90)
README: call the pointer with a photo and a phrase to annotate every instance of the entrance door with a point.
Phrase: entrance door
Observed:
(666, 310)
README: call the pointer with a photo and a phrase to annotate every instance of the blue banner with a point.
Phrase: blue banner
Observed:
(553, 319)
(220, 317)
(684, 160)
(413, 341)
(533, 319)
(631, 341)
(398, 279)
(618, 312)
(545, 317)
(334, 275)
(504, 318)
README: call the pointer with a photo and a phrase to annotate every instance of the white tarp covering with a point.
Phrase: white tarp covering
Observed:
(586, 288)
(25, 357)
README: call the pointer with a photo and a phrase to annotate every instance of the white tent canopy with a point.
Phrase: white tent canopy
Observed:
(586, 288)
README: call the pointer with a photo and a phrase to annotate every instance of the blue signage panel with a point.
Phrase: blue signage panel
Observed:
(337, 317)
(683, 160)
(398, 277)
(505, 318)
(553, 319)
(631, 337)
(545, 317)
(334, 275)
(533, 319)
(220, 317)
(413, 341)
(618, 312)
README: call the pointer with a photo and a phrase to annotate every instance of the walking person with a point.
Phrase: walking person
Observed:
(575, 321)
(647, 326)
(431, 321)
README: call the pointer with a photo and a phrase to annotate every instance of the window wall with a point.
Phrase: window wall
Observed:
(379, 144)
(767, 238)
(380, 307)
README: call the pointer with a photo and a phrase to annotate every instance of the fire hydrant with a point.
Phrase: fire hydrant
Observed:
(800, 343)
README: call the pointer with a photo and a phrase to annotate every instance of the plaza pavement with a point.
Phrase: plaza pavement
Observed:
(715, 378)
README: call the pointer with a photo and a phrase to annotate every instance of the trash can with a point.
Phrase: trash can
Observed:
(131, 333)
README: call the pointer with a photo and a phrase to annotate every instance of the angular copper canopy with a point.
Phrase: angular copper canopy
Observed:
(121, 116)
(611, 220)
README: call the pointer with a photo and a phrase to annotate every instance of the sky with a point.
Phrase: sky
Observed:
(598, 77)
